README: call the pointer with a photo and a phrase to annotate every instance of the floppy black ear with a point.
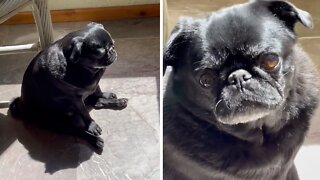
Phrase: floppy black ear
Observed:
(75, 49)
(177, 42)
(289, 13)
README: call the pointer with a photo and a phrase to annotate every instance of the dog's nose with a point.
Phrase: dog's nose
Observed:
(111, 50)
(239, 76)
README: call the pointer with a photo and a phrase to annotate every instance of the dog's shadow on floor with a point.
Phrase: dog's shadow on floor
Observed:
(56, 151)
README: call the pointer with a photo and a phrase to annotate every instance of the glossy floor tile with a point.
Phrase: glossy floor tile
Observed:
(131, 136)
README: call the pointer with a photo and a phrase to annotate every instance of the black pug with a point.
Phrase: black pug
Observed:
(240, 96)
(61, 84)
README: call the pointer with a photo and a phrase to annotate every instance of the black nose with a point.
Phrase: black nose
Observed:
(111, 50)
(239, 76)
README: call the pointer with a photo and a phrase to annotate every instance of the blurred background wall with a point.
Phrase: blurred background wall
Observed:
(76, 4)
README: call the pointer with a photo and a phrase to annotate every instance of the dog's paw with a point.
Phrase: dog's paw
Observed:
(121, 104)
(96, 142)
(114, 104)
(109, 95)
(99, 143)
(94, 128)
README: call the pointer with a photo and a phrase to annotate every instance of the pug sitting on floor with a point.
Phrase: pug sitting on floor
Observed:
(61, 84)
(240, 96)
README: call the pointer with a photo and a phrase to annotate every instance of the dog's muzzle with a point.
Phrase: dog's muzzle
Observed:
(112, 56)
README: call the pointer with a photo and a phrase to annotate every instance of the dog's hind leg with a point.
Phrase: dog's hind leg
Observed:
(85, 126)
(96, 142)
(82, 117)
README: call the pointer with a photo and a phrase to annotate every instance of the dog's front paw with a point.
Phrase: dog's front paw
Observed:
(114, 104)
(94, 128)
(121, 104)
(109, 95)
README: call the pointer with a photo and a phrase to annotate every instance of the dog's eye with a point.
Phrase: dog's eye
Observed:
(99, 52)
(269, 61)
(206, 80)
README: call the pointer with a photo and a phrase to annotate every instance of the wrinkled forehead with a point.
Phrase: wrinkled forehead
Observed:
(98, 33)
(243, 31)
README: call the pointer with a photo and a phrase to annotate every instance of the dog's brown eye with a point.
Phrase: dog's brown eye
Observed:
(98, 53)
(206, 80)
(269, 61)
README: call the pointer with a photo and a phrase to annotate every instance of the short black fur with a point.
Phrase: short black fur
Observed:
(225, 115)
(61, 85)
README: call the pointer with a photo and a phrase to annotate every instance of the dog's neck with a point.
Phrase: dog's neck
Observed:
(88, 67)
(95, 69)
(83, 76)
(205, 139)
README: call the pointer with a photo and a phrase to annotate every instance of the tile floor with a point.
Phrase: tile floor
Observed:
(131, 136)
(308, 158)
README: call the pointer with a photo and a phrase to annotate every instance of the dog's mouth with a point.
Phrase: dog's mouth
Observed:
(111, 58)
(246, 111)
(106, 63)
(99, 67)
(235, 107)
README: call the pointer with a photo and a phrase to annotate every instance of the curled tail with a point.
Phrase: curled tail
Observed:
(15, 108)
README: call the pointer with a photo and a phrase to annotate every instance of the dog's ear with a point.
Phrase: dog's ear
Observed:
(74, 49)
(289, 13)
(177, 42)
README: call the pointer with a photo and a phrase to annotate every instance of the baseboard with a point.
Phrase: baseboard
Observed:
(92, 14)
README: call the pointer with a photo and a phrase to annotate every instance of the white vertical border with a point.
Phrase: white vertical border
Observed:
(161, 89)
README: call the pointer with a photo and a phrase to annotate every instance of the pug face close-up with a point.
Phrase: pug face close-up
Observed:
(240, 95)
(240, 64)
